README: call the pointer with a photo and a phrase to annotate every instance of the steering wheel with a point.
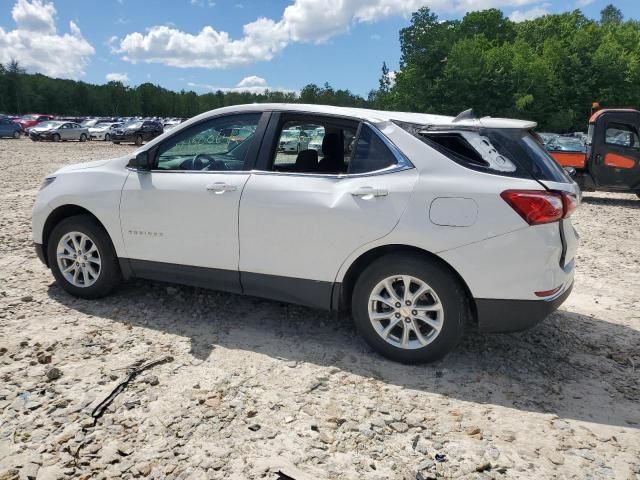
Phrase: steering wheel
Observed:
(198, 162)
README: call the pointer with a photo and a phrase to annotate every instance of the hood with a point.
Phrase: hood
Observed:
(41, 129)
(83, 166)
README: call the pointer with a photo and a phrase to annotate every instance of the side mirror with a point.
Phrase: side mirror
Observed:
(570, 171)
(143, 161)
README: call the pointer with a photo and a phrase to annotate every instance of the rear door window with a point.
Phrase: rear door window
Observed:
(370, 153)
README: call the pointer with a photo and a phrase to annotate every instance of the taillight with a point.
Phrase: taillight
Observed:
(569, 204)
(535, 206)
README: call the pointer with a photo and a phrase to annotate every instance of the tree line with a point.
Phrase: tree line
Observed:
(21, 92)
(549, 69)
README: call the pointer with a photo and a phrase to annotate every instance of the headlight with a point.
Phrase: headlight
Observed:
(47, 181)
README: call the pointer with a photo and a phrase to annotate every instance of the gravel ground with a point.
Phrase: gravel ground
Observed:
(258, 387)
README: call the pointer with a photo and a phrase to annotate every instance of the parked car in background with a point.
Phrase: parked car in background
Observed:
(137, 132)
(566, 144)
(293, 141)
(57, 131)
(104, 130)
(9, 128)
(31, 120)
(547, 137)
(430, 224)
(316, 140)
(170, 123)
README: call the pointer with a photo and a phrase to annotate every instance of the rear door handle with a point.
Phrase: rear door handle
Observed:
(370, 192)
(221, 187)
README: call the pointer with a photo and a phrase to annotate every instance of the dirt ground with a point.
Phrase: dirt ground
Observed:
(258, 387)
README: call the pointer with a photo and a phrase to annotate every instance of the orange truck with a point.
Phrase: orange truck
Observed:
(612, 159)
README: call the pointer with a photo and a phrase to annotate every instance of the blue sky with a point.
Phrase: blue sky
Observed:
(249, 44)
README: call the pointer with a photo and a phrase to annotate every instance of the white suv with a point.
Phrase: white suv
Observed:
(418, 224)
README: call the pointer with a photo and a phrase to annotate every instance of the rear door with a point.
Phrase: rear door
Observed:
(298, 225)
(615, 150)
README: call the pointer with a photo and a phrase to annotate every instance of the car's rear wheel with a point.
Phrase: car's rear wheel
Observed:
(83, 138)
(82, 257)
(409, 308)
(16, 134)
(139, 140)
(55, 137)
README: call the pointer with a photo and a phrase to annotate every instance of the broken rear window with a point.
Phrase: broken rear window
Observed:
(500, 151)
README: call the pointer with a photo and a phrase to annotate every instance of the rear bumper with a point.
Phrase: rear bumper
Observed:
(515, 315)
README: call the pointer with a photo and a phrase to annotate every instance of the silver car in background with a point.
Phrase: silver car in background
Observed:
(103, 130)
(57, 131)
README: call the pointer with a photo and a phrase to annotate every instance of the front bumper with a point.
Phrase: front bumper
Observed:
(124, 137)
(502, 316)
(41, 135)
(40, 253)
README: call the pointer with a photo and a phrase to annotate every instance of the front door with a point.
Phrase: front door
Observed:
(304, 214)
(180, 220)
(615, 150)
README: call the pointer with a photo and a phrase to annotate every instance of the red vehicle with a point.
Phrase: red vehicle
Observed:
(31, 120)
(612, 159)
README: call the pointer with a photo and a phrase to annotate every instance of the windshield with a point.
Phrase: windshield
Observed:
(566, 144)
(133, 125)
(48, 124)
(29, 117)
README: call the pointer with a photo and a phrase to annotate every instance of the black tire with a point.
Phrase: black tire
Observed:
(55, 137)
(83, 138)
(139, 140)
(107, 137)
(443, 282)
(116, 142)
(109, 276)
(16, 134)
(33, 139)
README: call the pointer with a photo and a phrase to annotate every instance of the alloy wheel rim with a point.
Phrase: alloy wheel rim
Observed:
(406, 312)
(79, 259)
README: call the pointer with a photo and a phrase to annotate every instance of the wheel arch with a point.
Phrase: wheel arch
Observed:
(59, 214)
(342, 294)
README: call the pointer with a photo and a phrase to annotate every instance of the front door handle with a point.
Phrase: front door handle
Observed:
(370, 192)
(221, 187)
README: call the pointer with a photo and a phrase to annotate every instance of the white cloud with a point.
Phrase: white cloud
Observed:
(304, 21)
(116, 77)
(251, 84)
(532, 13)
(583, 3)
(252, 81)
(37, 45)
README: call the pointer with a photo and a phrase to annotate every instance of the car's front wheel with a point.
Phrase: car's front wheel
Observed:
(409, 308)
(139, 140)
(55, 137)
(83, 138)
(107, 137)
(82, 257)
